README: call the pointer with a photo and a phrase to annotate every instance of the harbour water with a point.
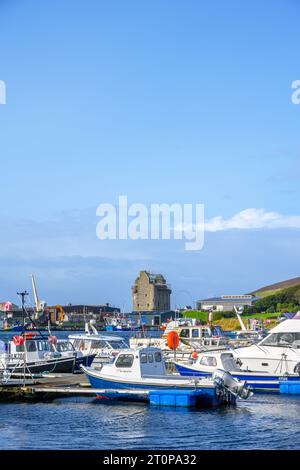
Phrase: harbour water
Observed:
(262, 422)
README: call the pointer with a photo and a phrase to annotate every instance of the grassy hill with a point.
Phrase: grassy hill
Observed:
(232, 323)
(274, 300)
(276, 288)
(280, 300)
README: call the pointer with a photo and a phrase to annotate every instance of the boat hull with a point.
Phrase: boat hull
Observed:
(257, 382)
(61, 365)
(84, 361)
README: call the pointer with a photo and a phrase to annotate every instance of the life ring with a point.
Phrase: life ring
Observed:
(173, 340)
(18, 340)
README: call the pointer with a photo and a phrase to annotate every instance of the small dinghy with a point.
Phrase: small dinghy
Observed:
(144, 369)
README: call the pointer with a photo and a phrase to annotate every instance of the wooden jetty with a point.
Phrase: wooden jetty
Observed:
(27, 391)
(55, 386)
(69, 385)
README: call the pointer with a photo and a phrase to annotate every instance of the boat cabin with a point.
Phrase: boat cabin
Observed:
(139, 363)
(99, 345)
(212, 361)
(191, 330)
(32, 346)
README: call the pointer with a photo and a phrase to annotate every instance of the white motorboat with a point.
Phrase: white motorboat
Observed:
(104, 348)
(207, 363)
(66, 349)
(277, 354)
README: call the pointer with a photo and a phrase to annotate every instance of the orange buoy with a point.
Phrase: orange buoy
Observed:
(173, 340)
(195, 355)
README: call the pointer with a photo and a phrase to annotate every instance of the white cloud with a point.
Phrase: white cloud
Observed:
(253, 219)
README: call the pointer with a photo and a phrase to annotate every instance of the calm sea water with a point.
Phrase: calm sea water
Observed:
(262, 422)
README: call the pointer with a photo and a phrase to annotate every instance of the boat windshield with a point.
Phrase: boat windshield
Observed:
(118, 345)
(229, 363)
(125, 361)
(63, 346)
(214, 342)
(44, 345)
(99, 344)
(281, 340)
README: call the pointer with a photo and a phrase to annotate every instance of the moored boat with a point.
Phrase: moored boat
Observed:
(206, 364)
(144, 369)
(192, 336)
(103, 347)
(30, 353)
(277, 354)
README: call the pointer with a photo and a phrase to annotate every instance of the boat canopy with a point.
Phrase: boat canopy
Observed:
(96, 338)
(287, 326)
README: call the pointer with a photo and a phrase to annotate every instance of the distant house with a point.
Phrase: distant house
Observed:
(14, 311)
(226, 302)
(3, 306)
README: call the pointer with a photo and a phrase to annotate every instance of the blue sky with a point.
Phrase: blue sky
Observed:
(161, 101)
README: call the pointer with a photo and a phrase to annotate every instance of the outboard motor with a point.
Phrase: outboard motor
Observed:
(297, 369)
(238, 388)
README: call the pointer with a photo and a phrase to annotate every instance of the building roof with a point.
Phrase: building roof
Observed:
(154, 278)
(231, 298)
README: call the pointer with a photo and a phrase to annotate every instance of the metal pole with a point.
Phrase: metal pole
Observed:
(23, 295)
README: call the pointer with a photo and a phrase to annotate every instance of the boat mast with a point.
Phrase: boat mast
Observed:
(23, 295)
(240, 319)
(38, 308)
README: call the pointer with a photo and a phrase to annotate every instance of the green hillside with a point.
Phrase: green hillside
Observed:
(276, 288)
(281, 300)
(275, 300)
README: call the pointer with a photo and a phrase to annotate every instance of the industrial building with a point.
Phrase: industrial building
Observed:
(80, 313)
(226, 303)
(155, 318)
(151, 293)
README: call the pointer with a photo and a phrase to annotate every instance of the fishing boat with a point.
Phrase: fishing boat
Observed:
(144, 369)
(33, 354)
(205, 365)
(117, 323)
(66, 349)
(192, 336)
(103, 347)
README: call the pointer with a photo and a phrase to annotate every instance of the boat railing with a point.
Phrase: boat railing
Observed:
(6, 357)
(8, 371)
